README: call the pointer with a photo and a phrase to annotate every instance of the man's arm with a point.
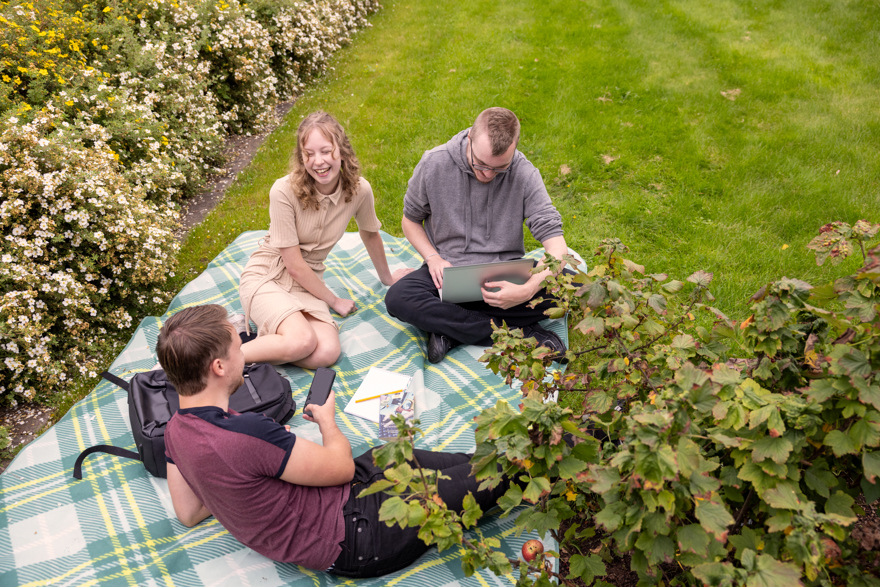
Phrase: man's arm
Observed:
(509, 294)
(416, 235)
(321, 466)
(189, 508)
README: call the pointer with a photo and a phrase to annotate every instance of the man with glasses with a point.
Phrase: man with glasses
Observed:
(465, 204)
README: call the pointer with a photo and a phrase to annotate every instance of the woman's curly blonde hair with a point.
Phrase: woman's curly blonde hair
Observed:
(349, 171)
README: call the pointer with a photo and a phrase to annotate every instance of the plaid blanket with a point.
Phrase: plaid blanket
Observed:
(117, 526)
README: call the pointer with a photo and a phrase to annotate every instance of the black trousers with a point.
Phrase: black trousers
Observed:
(371, 548)
(415, 300)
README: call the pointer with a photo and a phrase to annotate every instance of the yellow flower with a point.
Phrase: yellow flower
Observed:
(69, 102)
(107, 9)
(6, 78)
(43, 72)
(21, 69)
(527, 464)
(570, 495)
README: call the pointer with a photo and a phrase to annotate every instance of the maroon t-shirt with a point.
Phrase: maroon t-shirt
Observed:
(233, 463)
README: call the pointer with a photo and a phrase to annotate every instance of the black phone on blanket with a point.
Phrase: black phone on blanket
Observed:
(319, 391)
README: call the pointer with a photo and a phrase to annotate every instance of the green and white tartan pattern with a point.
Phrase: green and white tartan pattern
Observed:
(117, 526)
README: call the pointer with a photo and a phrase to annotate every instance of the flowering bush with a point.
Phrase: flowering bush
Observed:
(81, 246)
(110, 114)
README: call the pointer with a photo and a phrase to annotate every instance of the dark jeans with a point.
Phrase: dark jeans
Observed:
(371, 548)
(415, 300)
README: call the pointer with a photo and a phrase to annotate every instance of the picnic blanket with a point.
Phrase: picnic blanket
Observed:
(117, 526)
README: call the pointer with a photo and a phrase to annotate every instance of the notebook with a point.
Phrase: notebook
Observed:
(377, 382)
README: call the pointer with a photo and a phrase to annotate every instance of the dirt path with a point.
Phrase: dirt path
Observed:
(27, 421)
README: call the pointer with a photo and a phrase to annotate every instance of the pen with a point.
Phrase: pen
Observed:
(377, 396)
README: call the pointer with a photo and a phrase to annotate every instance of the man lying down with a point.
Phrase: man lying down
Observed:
(287, 498)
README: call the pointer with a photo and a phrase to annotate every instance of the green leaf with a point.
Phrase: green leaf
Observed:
(713, 517)
(570, 466)
(724, 375)
(657, 303)
(511, 499)
(871, 465)
(591, 326)
(716, 574)
(586, 567)
(683, 342)
(701, 278)
(821, 390)
(598, 295)
(776, 449)
(673, 286)
(611, 516)
(866, 431)
(752, 473)
(819, 478)
(693, 538)
(840, 504)
(416, 514)
(780, 521)
(772, 573)
(658, 549)
(376, 487)
(783, 497)
(869, 394)
(840, 443)
(855, 363)
(472, 511)
(394, 510)
(536, 488)
(602, 479)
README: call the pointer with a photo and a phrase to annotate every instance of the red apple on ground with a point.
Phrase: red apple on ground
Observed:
(531, 549)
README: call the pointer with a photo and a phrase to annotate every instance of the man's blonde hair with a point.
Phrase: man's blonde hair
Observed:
(501, 124)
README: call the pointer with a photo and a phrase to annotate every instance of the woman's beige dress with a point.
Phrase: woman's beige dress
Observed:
(268, 292)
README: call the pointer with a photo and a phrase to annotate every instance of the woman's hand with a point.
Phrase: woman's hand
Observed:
(343, 307)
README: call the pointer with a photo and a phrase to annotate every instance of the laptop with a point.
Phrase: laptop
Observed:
(464, 283)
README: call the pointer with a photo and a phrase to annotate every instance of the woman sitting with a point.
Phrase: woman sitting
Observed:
(281, 287)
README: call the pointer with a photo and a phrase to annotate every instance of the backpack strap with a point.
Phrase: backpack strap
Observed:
(251, 388)
(113, 450)
(117, 380)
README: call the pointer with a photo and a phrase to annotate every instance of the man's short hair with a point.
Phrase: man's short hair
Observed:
(502, 126)
(189, 342)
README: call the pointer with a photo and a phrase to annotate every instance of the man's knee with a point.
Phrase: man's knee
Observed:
(397, 300)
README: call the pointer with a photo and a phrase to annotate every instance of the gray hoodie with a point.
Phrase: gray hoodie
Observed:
(472, 222)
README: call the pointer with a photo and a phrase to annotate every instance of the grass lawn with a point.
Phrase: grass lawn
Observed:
(706, 135)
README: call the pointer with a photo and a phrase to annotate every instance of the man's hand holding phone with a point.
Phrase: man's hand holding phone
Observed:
(320, 405)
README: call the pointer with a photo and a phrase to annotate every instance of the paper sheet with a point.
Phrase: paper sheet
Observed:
(377, 382)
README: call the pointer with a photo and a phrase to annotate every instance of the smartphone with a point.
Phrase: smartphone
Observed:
(319, 391)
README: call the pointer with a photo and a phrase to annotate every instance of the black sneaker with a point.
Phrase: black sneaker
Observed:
(547, 339)
(438, 346)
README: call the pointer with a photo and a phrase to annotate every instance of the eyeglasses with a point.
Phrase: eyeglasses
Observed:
(475, 165)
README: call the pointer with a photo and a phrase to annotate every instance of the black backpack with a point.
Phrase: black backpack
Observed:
(152, 400)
